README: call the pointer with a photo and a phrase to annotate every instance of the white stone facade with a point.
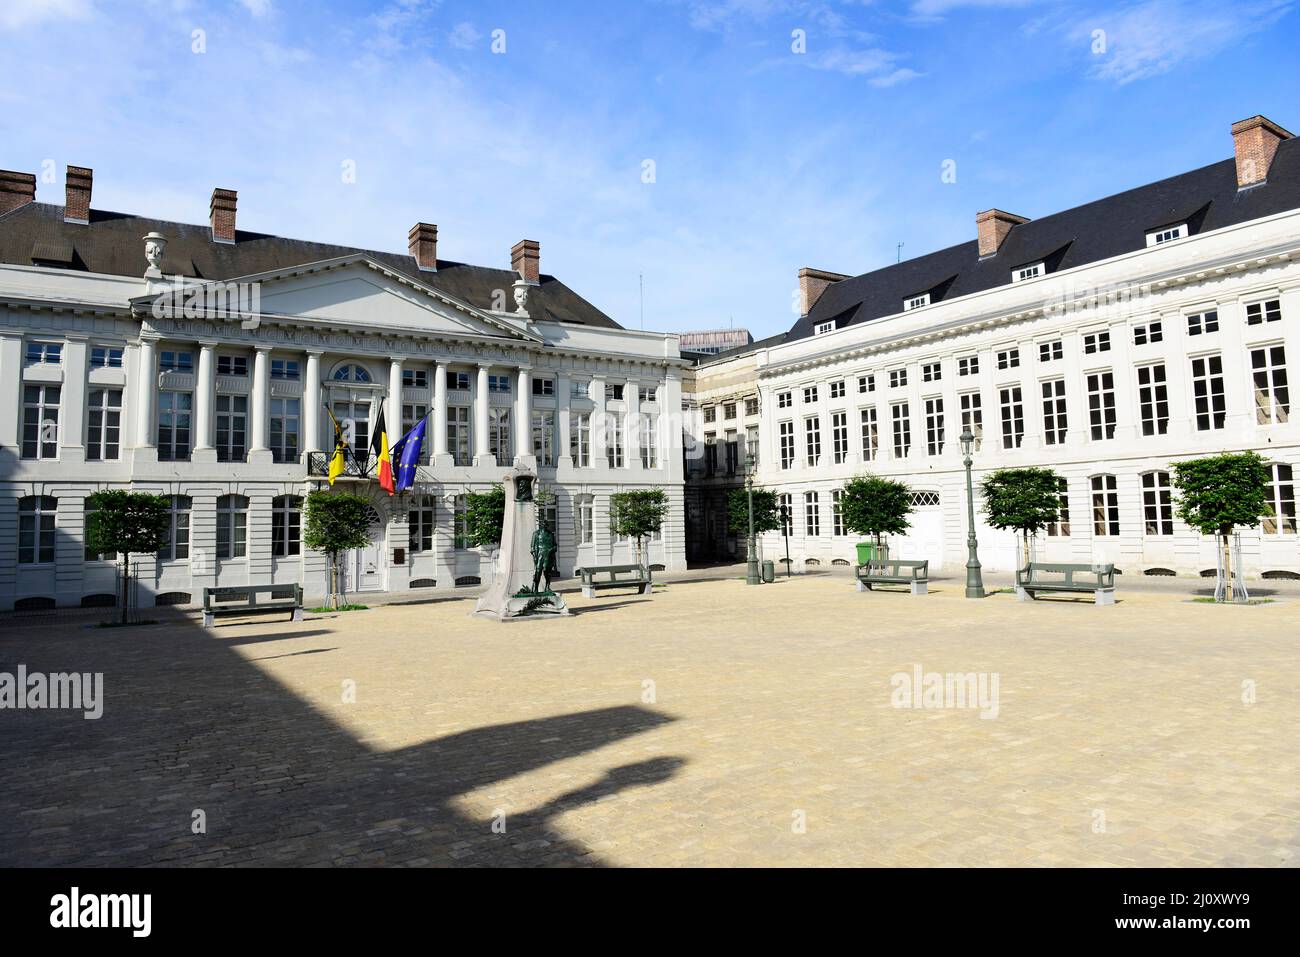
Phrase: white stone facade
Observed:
(241, 388)
(1241, 273)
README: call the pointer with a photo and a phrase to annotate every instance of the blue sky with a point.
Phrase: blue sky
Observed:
(764, 159)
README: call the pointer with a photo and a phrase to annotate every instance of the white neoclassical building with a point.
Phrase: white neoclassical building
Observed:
(216, 388)
(1106, 342)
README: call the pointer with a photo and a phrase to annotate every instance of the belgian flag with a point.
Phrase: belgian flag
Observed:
(379, 444)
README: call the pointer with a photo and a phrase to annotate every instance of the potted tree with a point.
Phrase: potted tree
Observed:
(336, 522)
(127, 523)
(876, 506)
(638, 515)
(1219, 493)
(1024, 500)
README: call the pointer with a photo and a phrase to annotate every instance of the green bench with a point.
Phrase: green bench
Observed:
(1099, 580)
(223, 601)
(615, 576)
(894, 571)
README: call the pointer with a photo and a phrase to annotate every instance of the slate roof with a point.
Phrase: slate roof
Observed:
(112, 244)
(1205, 198)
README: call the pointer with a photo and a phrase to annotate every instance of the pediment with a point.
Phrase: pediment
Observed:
(361, 292)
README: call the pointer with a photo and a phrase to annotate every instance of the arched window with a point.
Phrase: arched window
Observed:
(286, 526)
(178, 539)
(420, 523)
(351, 373)
(1157, 504)
(85, 534)
(36, 514)
(232, 526)
(1105, 505)
(1281, 498)
(812, 515)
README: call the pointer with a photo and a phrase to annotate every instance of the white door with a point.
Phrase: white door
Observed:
(924, 539)
(362, 568)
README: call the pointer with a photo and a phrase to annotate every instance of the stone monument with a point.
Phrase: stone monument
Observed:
(521, 583)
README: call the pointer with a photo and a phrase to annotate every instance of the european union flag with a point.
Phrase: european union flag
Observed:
(407, 452)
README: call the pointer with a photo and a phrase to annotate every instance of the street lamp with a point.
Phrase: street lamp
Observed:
(751, 559)
(974, 580)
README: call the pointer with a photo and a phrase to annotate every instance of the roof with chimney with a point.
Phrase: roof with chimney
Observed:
(111, 244)
(1204, 199)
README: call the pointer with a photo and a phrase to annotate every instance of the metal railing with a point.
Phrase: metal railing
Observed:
(356, 465)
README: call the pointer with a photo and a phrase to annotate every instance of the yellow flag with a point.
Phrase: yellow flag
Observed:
(336, 460)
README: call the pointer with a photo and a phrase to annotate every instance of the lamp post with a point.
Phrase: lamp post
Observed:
(751, 558)
(974, 579)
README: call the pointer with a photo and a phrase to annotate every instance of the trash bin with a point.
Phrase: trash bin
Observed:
(866, 552)
(769, 571)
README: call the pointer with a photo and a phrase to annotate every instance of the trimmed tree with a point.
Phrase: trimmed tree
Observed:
(336, 522)
(485, 517)
(638, 514)
(767, 515)
(1219, 493)
(1024, 500)
(127, 523)
(876, 506)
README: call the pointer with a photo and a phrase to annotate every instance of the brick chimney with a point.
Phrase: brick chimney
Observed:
(16, 189)
(422, 242)
(1255, 141)
(221, 212)
(812, 283)
(993, 226)
(526, 259)
(76, 207)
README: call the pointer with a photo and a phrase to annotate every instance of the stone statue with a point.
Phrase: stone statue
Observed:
(521, 576)
(543, 549)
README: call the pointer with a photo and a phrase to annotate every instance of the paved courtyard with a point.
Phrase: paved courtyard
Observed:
(709, 724)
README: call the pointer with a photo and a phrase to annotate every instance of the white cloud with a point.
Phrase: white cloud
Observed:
(464, 36)
(901, 75)
(15, 14)
(258, 8)
(937, 8)
(1154, 37)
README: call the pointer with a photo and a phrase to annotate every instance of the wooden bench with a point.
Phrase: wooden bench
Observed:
(617, 576)
(1099, 580)
(894, 571)
(221, 601)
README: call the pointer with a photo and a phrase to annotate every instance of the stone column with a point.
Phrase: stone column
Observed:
(632, 425)
(11, 390)
(260, 407)
(148, 391)
(439, 418)
(563, 397)
(204, 392)
(394, 415)
(481, 454)
(524, 413)
(72, 424)
(311, 404)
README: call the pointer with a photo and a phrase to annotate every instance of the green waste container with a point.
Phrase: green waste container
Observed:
(769, 571)
(866, 552)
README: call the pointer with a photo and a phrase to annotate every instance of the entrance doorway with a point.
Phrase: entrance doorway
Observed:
(363, 567)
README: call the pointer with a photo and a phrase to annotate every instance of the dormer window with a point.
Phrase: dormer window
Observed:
(824, 327)
(1031, 271)
(1166, 234)
(916, 302)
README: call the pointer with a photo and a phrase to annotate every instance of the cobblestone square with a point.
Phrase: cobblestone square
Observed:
(709, 724)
